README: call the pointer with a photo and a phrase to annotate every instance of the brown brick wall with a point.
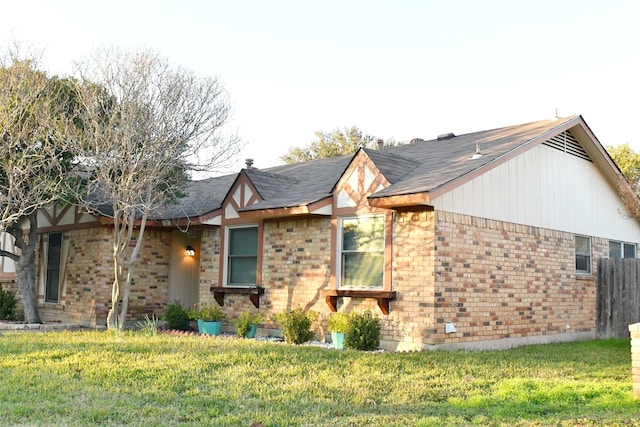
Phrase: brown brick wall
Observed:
(296, 263)
(86, 295)
(501, 280)
(209, 263)
(412, 316)
(491, 279)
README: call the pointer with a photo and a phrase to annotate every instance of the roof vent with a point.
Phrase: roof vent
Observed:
(416, 140)
(445, 136)
(249, 163)
(477, 154)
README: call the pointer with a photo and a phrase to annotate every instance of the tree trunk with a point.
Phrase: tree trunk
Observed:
(26, 268)
(112, 316)
(26, 275)
(125, 296)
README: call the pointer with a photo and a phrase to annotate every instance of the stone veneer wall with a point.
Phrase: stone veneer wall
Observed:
(86, 296)
(497, 280)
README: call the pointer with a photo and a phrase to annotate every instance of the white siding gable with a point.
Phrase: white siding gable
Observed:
(547, 188)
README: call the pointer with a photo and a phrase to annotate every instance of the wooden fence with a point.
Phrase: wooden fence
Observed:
(618, 299)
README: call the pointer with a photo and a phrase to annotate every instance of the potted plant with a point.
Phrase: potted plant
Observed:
(210, 318)
(192, 314)
(337, 324)
(247, 324)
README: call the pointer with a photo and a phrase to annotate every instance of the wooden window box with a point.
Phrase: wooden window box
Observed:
(254, 293)
(383, 297)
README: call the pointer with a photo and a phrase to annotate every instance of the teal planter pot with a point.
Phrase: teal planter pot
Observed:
(200, 328)
(253, 328)
(337, 338)
(211, 328)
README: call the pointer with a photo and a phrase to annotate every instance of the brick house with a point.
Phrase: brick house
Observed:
(483, 240)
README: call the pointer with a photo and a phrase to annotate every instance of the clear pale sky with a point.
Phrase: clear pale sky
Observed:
(401, 69)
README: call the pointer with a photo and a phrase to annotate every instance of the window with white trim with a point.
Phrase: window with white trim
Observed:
(52, 278)
(583, 254)
(618, 250)
(242, 255)
(361, 257)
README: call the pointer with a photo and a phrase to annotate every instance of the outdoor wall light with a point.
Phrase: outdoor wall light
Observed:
(191, 251)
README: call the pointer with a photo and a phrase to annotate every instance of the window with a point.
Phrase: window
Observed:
(362, 252)
(583, 254)
(52, 279)
(619, 250)
(242, 255)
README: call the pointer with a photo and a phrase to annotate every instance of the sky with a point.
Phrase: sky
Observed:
(396, 69)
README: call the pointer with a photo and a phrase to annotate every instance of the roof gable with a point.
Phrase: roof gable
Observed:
(361, 179)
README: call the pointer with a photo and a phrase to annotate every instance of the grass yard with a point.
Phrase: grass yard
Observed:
(106, 378)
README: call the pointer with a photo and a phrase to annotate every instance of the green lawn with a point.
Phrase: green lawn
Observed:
(104, 378)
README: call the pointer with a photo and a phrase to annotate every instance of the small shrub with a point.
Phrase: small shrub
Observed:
(338, 322)
(176, 316)
(192, 312)
(210, 313)
(363, 331)
(296, 325)
(7, 305)
(244, 322)
(149, 326)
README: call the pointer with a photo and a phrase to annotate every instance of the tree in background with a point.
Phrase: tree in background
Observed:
(628, 161)
(146, 125)
(340, 142)
(36, 117)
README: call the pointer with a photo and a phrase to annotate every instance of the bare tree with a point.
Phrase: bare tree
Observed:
(35, 119)
(146, 125)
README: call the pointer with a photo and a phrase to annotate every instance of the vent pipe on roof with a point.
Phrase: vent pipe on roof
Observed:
(380, 143)
(249, 163)
(477, 154)
(445, 136)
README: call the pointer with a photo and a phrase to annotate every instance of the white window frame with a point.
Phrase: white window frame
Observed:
(227, 241)
(576, 254)
(623, 247)
(339, 248)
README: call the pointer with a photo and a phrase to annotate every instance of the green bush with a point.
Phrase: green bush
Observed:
(176, 316)
(296, 325)
(338, 322)
(244, 322)
(7, 305)
(363, 331)
(210, 313)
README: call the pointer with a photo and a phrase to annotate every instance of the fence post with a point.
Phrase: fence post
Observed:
(635, 358)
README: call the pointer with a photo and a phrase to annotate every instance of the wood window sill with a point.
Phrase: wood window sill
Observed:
(382, 297)
(254, 293)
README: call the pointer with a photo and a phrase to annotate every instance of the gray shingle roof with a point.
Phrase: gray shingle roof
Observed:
(418, 167)
(310, 182)
(201, 197)
(443, 161)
